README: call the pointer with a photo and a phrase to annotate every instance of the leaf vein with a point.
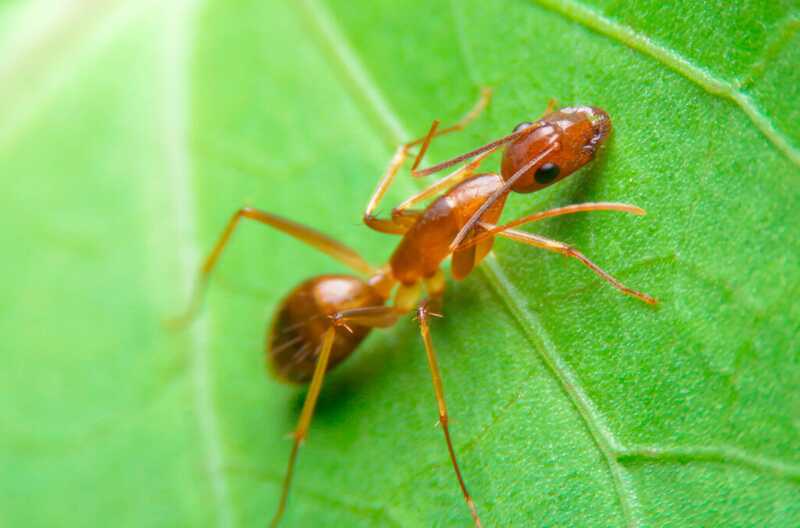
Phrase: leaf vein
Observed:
(176, 71)
(782, 37)
(720, 454)
(355, 73)
(349, 503)
(700, 76)
(604, 439)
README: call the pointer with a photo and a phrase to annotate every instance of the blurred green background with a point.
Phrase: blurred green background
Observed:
(130, 130)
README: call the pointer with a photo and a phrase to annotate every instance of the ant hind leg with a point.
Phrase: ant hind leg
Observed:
(315, 239)
(422, 316)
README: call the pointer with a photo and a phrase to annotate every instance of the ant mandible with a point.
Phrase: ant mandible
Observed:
(321, 322)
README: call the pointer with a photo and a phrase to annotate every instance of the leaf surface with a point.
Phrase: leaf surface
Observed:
(130, 131)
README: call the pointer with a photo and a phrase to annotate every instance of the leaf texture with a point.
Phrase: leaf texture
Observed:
(130, 131)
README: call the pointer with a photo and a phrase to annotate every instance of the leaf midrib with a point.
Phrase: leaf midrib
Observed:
(177, 50)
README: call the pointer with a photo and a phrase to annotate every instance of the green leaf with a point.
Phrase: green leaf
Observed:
(130, 131)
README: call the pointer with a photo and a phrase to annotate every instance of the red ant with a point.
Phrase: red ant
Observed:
(321, 322)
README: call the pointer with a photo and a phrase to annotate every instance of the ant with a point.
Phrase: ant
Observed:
(322, 321)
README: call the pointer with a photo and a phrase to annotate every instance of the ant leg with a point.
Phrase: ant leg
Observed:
(379, 224)
(434, 286)
(461, 124)
(305, 417)
(492, 145)
(443, 184)
(572, 209)
(568, 251)
(314, 238)
(550, 213)
(371, 316)
(552, 104)
(503, 191)
(422, 316)
(400, 156)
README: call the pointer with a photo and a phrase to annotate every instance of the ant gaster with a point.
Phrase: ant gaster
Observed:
(323, 320)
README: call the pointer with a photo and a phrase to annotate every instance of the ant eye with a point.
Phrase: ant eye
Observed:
(521, 126)
(546, 173)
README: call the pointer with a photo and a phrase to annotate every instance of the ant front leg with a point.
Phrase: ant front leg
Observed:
(552, 104)
(487, 148)
(422, 316)
(396, 225)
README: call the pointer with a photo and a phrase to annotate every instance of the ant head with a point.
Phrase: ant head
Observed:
(578, 133)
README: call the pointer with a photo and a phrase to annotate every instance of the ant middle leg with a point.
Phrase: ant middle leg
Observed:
(315, 239)
(568, 251)
(422, 316)
(394, 225)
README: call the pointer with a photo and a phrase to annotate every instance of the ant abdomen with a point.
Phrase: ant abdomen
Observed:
(303, 317)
